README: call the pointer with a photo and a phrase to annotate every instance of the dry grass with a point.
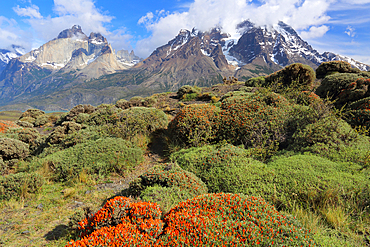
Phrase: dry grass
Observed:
(27, 223)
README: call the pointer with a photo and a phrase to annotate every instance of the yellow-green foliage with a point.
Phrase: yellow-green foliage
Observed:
(100, 157)
(293, 76)
(332, 67)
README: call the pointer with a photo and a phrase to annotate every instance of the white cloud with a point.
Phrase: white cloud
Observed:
(206, 14)
(350, 31)
(314, 32)
(11, 34)
(31, 11)
(145, 19)
(69, 13)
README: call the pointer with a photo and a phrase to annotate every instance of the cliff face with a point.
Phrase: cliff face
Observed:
(73, 50)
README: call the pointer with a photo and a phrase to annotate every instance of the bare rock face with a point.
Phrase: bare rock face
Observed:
(73, 50)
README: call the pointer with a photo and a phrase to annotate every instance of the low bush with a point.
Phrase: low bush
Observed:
(187, 90)
(315, 182)
(100, 157)
(332, 138)
(223, 168)
(229, 219)
(104, 114)
(207, 220)
(195, 125)
(19, 185)
(32, 113)
(7, 125)
(60, 132)
(298, 76)
(255, 82)
(344, 88)
(13, 149)
(139, 120)
(332, 67)
(41, 120)
(358, 113)
(121, 222)
(75, 112)
(168, 176)
(257, 121)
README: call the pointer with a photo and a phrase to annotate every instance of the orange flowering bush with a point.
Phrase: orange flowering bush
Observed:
(121, 222)
(5, 125)
(207, 220)
(231, 220)
(255, 121)
(195, 125)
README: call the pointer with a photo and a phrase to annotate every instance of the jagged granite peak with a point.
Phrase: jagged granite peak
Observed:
(126, 58)
(97, 38)
(75, 31)
(8, 54)
(277, 45)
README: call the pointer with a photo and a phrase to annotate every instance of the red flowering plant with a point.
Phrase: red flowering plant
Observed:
(206, 220)
(231, 220)
(195, 125)
(6, 125)
(121, 221)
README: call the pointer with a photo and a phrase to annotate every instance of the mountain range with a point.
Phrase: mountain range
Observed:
(78, 69)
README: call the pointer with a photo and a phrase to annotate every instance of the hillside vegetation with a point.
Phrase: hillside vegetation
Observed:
(280, 160)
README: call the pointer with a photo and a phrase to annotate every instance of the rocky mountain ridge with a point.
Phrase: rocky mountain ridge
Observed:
(8, 54)
(85, 69)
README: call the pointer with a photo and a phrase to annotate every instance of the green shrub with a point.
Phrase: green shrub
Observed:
(139, 120)
(100, 157)
(29, 120)
(41, 120)
(104, 114)
(60, 132)
(165, 197)
(19, 185)
(3, 167)
(24, 124)
(332, 67)
(30, 136)
(223, 168)
(168, 175)
(292, 76)
(195, 125)
(258, 121)
(255, 82)
(343, 87)
(32, 113)
(358, 113)
(13, 149)
(184, 90)
(332, 138)
(236, 94)
(315, 182)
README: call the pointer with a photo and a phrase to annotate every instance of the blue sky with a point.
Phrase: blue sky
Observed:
(339, 26)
